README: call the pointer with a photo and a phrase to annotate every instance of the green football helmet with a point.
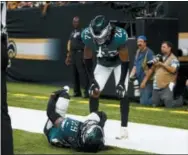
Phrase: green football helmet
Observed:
(100, 29)
(92, 136)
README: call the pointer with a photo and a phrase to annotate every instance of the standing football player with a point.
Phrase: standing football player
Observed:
(109, 43)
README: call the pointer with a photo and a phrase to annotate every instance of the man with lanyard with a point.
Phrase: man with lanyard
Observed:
(165, 75)
(7, 140)
(75, 56)
(143, 55)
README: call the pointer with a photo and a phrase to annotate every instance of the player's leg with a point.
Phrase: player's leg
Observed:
(101, 75)
(48, 126)
(124, 104)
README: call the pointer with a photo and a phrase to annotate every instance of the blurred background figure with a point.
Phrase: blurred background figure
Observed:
(165, 73)
(75, 57)
(7, 139)
(140, 69)
(13, 5)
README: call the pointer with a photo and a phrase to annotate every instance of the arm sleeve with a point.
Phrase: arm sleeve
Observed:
(52, 115)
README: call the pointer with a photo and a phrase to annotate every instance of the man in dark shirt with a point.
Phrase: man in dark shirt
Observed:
(7, 139)
(75, 57)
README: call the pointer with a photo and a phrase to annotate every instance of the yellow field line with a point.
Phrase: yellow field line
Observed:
(149, 108)
(108, 105)
(41, 97)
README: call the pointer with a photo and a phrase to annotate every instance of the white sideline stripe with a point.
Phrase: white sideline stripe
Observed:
(143, 137)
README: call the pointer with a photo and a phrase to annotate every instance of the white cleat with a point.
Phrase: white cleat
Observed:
(123, 133)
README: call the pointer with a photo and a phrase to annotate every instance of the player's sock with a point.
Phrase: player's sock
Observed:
(124, 110)
(93, 104)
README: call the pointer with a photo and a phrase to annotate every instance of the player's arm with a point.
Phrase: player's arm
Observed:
(124, 57)
(51, 113)
(88, 55)
(123, 53)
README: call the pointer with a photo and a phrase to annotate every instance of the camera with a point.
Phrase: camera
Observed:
(157, 58)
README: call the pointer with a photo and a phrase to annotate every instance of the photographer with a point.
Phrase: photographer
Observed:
(140, 69)
(165, 69)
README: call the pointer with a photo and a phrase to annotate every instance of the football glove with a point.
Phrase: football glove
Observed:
(94, 89)
(120, 90)
(132, 78)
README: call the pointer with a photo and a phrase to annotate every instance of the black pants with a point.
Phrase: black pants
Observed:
(79, 72)
(7, 139)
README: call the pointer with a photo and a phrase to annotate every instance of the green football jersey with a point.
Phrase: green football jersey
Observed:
(67, 132)
(107, 54)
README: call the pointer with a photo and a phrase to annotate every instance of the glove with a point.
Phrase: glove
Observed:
(132, 78)
(94, 89)
(120, 90)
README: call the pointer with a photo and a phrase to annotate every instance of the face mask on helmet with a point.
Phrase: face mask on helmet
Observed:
(92, 136)
(102, 36)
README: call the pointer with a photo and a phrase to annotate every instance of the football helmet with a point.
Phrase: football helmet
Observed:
(100, 29)
(92, 136)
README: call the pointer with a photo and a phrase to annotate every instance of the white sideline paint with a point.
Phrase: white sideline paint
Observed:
(143, 137)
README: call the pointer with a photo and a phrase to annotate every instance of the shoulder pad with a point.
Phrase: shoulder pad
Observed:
(120, 36)
(86, 37)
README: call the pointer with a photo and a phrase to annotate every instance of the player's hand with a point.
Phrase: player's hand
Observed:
(120, 90)
(94, 89)
(132, 78)
(58, 122)
(68, 61)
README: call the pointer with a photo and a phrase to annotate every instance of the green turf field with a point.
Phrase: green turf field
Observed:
(32, 143)
(35, 96)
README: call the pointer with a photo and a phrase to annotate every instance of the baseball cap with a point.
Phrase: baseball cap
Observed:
(143, 37)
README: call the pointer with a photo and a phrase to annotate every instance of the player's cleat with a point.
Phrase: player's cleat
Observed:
(123, 133)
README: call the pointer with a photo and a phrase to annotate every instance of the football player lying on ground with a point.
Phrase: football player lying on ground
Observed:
(63, 131)
(109, 43)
